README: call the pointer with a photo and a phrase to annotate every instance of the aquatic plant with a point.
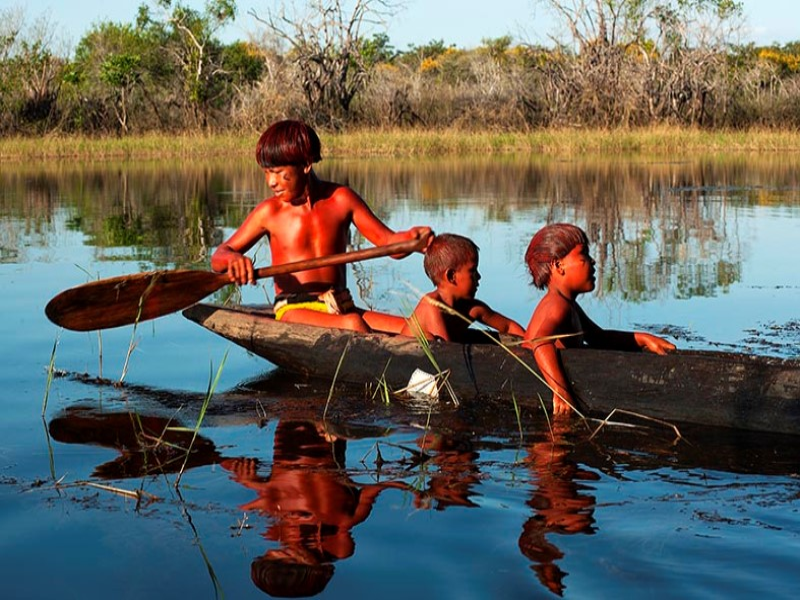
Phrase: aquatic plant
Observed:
(212, 386)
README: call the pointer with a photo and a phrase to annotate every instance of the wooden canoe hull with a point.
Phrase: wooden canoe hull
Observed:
(708, 388)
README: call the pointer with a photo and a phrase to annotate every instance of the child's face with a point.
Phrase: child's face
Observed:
(288, 181)
(465, 279)
(578, 270)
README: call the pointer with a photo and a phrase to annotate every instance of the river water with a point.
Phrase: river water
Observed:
(98, 496)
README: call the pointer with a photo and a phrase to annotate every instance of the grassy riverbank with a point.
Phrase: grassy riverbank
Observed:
(365, 143)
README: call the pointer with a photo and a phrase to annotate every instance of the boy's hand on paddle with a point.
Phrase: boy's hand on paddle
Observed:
(240, 270)
(423, 233)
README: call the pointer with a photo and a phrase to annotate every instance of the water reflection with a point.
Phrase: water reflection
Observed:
(562, 505)
(449, 473)
(313, 505)
(147, 444)
(312, 501)
(660, 228)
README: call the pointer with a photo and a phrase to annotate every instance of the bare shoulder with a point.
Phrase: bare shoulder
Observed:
(430, 302)
(267, 208)
(550, 315)
(338, 191)
(268, 215)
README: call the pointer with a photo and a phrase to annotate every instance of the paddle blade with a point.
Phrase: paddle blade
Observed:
(131, 298)
(134, 298)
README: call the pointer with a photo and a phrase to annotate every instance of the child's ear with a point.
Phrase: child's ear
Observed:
(307, 168)
(450, 275)
(556, 266)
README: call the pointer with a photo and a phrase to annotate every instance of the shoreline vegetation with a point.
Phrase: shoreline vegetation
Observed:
(630, 78)
(387, 143)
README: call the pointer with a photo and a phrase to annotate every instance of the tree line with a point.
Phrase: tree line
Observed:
(621, 63)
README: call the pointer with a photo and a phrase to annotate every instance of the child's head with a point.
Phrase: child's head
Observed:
(551, 243)
(448, 251)
(288, 143)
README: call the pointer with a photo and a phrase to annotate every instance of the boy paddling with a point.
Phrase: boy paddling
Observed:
(558, 259)
(307, 218)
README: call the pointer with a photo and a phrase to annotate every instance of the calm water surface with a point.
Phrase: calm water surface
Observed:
(98, 497)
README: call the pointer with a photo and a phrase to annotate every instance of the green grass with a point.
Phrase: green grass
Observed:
(399, 143)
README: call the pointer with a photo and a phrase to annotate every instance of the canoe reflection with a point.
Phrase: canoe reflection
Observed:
(148, 445)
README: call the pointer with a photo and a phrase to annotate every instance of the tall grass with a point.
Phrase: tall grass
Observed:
(663, 140)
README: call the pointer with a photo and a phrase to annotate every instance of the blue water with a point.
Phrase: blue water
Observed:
(460, 504)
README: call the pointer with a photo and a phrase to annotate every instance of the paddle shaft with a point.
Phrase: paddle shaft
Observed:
(134, 298)
(333, 260)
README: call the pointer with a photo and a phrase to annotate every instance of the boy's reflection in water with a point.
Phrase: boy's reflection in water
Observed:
(313, 504)
(561, 505)
(452, 471)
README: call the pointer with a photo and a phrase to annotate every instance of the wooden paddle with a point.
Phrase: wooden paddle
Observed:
(134, 298)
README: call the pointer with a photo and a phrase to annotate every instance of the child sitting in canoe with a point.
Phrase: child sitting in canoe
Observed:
(451, 263)
(307, 218)
(558, 259)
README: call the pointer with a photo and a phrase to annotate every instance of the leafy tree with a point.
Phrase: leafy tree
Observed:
(30, 73)
(242, 63)
(111, 71)
(196, 50)
(377, 50)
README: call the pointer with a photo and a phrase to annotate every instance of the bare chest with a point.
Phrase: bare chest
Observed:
(322, 226)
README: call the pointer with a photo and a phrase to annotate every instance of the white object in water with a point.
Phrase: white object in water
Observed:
(423, 384)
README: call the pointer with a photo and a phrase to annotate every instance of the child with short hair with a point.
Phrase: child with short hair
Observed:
(451, 263)
(307, 218)
(558, 259)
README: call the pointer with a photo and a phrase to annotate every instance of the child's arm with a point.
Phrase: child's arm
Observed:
(551, 317)
(549, 363)
(229, 256)
(375, 230)
(613, 339)
(483, 313)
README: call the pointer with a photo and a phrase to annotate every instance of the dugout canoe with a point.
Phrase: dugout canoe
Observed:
(721, 389)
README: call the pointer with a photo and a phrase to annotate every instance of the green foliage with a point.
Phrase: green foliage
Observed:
(497, 48)
(198, 53)
(629, 63)
(432, 49)
(243, 62)
(116, 66)
(120, 70)
(377, 50)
